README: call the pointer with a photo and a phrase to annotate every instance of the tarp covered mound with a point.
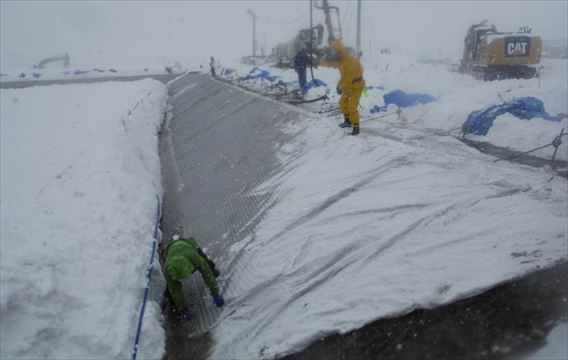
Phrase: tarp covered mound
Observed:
(403, 100)
(480, 121)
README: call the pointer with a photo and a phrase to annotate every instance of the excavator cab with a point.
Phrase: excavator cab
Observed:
(474, 40)
(303, 40)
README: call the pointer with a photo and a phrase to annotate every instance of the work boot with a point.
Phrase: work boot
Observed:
(345, 123)
(355, 131)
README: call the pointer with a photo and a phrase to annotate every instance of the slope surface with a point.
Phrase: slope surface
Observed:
(318, 232)
(219, 146)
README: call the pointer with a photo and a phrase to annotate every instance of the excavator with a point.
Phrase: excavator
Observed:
(310, 39)
(492, 55)
(62, 57)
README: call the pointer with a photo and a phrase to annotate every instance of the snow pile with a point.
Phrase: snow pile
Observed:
(378, 225)
(457, 96)
(79, 180)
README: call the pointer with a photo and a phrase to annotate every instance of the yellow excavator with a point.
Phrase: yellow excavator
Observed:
(492, 55)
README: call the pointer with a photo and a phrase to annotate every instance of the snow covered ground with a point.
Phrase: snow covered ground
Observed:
(556, 347)
(79, 179)
(376, 226)
(458, 95)
(397, 218)
(401, 217)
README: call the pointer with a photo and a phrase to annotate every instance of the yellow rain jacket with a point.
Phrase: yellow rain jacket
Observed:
(351, 82)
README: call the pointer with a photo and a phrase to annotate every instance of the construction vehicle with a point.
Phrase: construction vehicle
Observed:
(62, 57)
(492, 55)
(285, 52)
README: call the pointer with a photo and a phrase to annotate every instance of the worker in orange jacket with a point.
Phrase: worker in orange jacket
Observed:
(351, 83)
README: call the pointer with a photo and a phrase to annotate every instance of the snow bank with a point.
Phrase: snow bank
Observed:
(79, 180)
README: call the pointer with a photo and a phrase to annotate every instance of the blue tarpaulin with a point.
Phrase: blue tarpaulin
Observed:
(403, 100)
(315, 83)
(257, 73)
(480, 121)
(227, 71)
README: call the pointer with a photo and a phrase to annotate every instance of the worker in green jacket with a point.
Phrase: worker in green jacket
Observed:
(182, 258)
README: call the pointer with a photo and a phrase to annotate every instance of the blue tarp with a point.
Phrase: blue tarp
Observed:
(315, 83)
(257, 73)
(227, 71)
(480, 121)
(260, 74)
(403, 100)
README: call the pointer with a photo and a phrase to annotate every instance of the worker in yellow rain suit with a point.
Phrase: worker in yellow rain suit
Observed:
(351, 83)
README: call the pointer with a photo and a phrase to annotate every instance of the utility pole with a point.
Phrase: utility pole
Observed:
(359, 29)
(251, 13)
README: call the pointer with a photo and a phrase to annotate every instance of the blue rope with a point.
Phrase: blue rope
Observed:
(149, 277)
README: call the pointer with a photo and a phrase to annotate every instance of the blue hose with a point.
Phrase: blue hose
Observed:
(148, 277)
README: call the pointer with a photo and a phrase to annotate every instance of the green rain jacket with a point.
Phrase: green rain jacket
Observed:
(182, 259)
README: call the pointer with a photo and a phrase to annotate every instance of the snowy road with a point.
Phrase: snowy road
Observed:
(321, 232)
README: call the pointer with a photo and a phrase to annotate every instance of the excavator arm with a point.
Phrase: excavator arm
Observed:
(333, 33)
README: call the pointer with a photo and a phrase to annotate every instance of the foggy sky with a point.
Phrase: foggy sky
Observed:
(148, 33)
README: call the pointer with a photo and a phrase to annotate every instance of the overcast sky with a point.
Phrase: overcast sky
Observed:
(147, 33)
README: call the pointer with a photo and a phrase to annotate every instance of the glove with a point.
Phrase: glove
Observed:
(339, 92)
(186, 315)
(218, 300)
